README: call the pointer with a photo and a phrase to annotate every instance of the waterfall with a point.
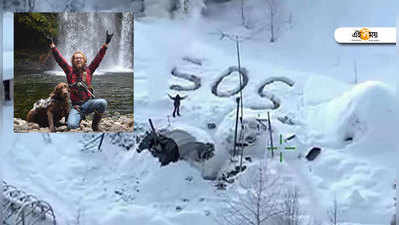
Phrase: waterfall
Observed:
(126, 41)
(86, 32)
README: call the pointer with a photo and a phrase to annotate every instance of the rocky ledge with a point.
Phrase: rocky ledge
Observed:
(119, 123)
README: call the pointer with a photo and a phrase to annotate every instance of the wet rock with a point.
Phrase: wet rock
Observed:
(84, 123)
(123, 123)
(33, 126)
(18, 121)
(62, 128)
(84, 129)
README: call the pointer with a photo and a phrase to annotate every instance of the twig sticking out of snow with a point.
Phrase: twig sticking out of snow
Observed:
(192, 60)
(94, 142)
(232, 37)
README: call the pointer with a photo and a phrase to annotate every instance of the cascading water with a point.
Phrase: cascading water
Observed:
(125, 41)
(86, 32)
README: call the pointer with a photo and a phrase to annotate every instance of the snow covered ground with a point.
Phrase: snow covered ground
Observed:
(111, 187)
(354, 124)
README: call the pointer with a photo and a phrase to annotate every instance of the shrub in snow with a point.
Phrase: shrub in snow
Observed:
(256, 200)
(22, 208)
(124, 140)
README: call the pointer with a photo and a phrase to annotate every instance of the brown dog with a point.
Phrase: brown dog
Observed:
(48, 112)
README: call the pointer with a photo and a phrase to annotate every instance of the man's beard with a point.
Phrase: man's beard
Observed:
(79, 68)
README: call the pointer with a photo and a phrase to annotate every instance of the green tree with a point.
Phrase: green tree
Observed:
(31, 29)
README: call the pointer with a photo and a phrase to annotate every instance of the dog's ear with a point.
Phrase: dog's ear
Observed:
(52, 94)
(57, 90)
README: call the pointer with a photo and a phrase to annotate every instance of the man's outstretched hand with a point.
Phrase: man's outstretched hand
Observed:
(109, 37)
(50, 41)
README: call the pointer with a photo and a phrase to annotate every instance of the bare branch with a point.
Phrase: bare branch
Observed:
(260, 202)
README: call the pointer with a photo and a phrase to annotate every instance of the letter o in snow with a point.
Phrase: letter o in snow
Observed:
(243, 71)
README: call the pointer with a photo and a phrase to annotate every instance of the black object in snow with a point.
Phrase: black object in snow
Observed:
(211, 126)
(161, 147)
(313, 153)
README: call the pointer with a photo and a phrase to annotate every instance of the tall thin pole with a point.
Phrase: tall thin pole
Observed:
(397, 204)
(235, 132)
(239, 73)
(101, 141)
(242, 12)
(154, 132)
(396, 186)
(242, 151)
(270, 133)
(241, 98)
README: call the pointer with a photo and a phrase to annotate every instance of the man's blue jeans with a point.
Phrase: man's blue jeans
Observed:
(74, 118)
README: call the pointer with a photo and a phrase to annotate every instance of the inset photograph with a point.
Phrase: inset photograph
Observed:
(73, 72)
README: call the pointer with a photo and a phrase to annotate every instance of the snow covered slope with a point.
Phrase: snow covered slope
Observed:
(359, 163)
(111, 187)
(353, 124)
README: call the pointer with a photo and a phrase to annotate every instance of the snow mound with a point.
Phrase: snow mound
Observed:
(356, 130)
(369, 109)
